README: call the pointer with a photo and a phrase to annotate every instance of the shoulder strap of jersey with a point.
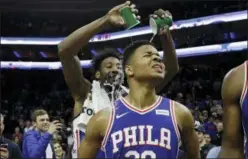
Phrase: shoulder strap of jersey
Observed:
(245, 85)
(109, 127)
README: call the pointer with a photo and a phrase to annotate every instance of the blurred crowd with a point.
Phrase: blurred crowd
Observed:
(196, 87)
(31, 25)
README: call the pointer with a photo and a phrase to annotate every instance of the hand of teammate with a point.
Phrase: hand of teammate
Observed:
(114, 17)
(160, 13)
(54, 126)
(4, 153)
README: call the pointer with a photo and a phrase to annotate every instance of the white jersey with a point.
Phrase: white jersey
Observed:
(79, 125)
(98, 101)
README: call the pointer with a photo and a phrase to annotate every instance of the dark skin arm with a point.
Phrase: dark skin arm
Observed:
(232, 140)
(170, 57)
(71, 45)
(185, 122)
(73, 74)
(94, 135)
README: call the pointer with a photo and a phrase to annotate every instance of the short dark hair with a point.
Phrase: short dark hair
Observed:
(129, 50)
(97, 60)
(38, 112)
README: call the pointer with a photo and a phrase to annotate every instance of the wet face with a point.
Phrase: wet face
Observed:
(42, 123)
(110, 71)
(146, 64)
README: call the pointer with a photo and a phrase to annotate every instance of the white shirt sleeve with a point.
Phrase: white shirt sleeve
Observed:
(213, 153)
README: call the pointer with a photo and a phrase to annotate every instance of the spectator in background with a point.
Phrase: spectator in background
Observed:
(17, 141)
(218, 136)
(59, 153)
(8, 149)
(179, 97)
(214, 115)
(204, 145)
(36, 143)
(21, 124)
(200, 133)
(209, 126)
(28, 126)
(205, 115)
(213, 153)
(219, 110)
(17, 134)
(207, 138)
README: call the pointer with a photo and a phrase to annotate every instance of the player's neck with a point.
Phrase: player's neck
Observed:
(112, 91)
(111, 88)
(141, 95)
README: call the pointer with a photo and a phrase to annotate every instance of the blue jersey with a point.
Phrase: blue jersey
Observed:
(135, 133)
(244, 107)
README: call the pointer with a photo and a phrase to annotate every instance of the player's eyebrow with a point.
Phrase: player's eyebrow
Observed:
(150, 52)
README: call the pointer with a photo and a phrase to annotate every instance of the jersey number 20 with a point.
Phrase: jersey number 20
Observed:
(145, 154)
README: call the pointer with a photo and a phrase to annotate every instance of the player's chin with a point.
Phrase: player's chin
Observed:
(157, 78)
(115, 82)
(158, 75)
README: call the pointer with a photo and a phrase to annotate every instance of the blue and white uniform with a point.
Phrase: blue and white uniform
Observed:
(244, 108)
(149, 133)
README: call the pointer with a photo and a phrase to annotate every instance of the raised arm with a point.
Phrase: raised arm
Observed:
(73, 74)
(232, 140)
(169, 52)
(36, 147)
(189, 138)
(71, 45)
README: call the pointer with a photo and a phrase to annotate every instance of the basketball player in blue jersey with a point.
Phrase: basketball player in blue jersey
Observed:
(235, 100)
(107, 67)
(143, 124)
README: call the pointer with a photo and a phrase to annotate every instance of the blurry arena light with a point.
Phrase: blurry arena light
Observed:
(43, 54)
(185, 52)
(16, 54)
(220, 18)
(93, 52)
(120, 50)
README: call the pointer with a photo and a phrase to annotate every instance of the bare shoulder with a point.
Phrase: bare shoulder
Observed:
(180, 108)
(99, 122)
(183, 114)
(233, 83)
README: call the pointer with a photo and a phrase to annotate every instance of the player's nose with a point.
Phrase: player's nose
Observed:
(115, 70)
(156, 58)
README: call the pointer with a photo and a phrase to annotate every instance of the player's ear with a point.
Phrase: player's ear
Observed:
(34, 124)
(129, 70)
(97, 75)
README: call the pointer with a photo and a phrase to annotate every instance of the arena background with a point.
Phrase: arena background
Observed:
(31, 75)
